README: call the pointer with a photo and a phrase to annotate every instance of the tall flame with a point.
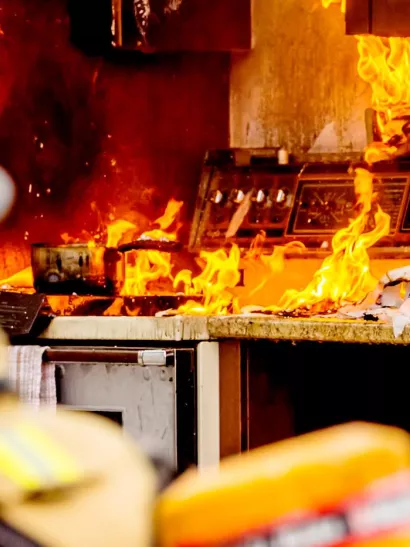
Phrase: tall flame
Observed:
(219, 275)
(116, 231)
(345, 275)
(145, 268)
(385, 64)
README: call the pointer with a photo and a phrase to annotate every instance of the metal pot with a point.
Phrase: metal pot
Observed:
(78, 268)
(67, 269)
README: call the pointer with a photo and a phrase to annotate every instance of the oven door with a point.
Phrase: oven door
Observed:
(137, 388)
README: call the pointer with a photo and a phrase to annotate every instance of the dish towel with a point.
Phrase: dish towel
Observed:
(32, 379)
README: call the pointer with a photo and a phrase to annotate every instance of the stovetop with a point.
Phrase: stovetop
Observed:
(307, 200)
(19, 312)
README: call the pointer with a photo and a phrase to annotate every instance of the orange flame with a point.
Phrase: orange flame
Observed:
(344, 276)
(328, 3)
(116, 231)
(385, 64)
(144, 269)
(20, 280)
(171, 212)
(219, 276)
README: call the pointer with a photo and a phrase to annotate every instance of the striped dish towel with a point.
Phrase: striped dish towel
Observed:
(33, 380)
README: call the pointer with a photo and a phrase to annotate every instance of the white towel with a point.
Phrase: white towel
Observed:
(33, 380)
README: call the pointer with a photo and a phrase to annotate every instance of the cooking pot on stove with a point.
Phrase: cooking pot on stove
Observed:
(85, 270)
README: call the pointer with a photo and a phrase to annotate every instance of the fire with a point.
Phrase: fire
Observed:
(116, 231)
(171, 212)
(20, 280)
(220, 274)
(345, 275)
(385, 64)
(327, 3)
(144, 269)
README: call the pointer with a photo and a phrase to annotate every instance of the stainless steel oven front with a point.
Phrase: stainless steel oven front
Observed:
(149, 391)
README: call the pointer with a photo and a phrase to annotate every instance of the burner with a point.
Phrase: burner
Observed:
(77, 306)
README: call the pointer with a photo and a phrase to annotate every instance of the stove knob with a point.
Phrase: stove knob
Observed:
(281, 197)
(217, 197)
(238, 196)
(260, 196)
(53, 277)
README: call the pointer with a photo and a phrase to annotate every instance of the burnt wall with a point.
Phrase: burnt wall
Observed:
(74, 130)
(299, 86)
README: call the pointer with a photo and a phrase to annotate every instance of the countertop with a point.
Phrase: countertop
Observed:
(186, 328)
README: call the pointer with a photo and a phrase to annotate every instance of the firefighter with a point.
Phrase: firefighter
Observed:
(346, 485)
(67, 479)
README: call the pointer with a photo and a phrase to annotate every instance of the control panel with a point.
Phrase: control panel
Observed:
(326, 206)
(265, 198)
(307, 201)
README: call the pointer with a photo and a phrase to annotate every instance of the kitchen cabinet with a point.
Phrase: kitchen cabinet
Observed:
(378, 17)
(198, 26)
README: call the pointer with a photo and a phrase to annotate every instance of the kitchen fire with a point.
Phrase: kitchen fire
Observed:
(209, 242)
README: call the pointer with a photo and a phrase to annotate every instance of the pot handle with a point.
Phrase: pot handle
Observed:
(151, 245)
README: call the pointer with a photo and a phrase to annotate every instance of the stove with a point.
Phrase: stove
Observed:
(246, 196)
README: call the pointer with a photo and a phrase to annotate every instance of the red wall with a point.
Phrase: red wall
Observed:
(128, 136)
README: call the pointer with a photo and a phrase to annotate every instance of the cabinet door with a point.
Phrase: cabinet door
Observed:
(358, 16)
(198, 26)
(391, 17)
(379, 17)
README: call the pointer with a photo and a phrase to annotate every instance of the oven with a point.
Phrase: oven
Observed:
(151, 392)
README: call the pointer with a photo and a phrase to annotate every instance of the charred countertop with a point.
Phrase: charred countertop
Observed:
(176, 329)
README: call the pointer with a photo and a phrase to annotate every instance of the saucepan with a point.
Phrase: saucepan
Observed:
(87, 270)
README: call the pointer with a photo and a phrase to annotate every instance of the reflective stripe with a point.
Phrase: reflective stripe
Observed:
(30, 458)
(63, 466)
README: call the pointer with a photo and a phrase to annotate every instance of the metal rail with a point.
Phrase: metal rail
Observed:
(142, 357)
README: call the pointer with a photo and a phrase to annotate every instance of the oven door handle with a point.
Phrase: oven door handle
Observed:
(141, 357)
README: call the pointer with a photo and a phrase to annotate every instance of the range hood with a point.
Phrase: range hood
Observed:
(378, 17)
